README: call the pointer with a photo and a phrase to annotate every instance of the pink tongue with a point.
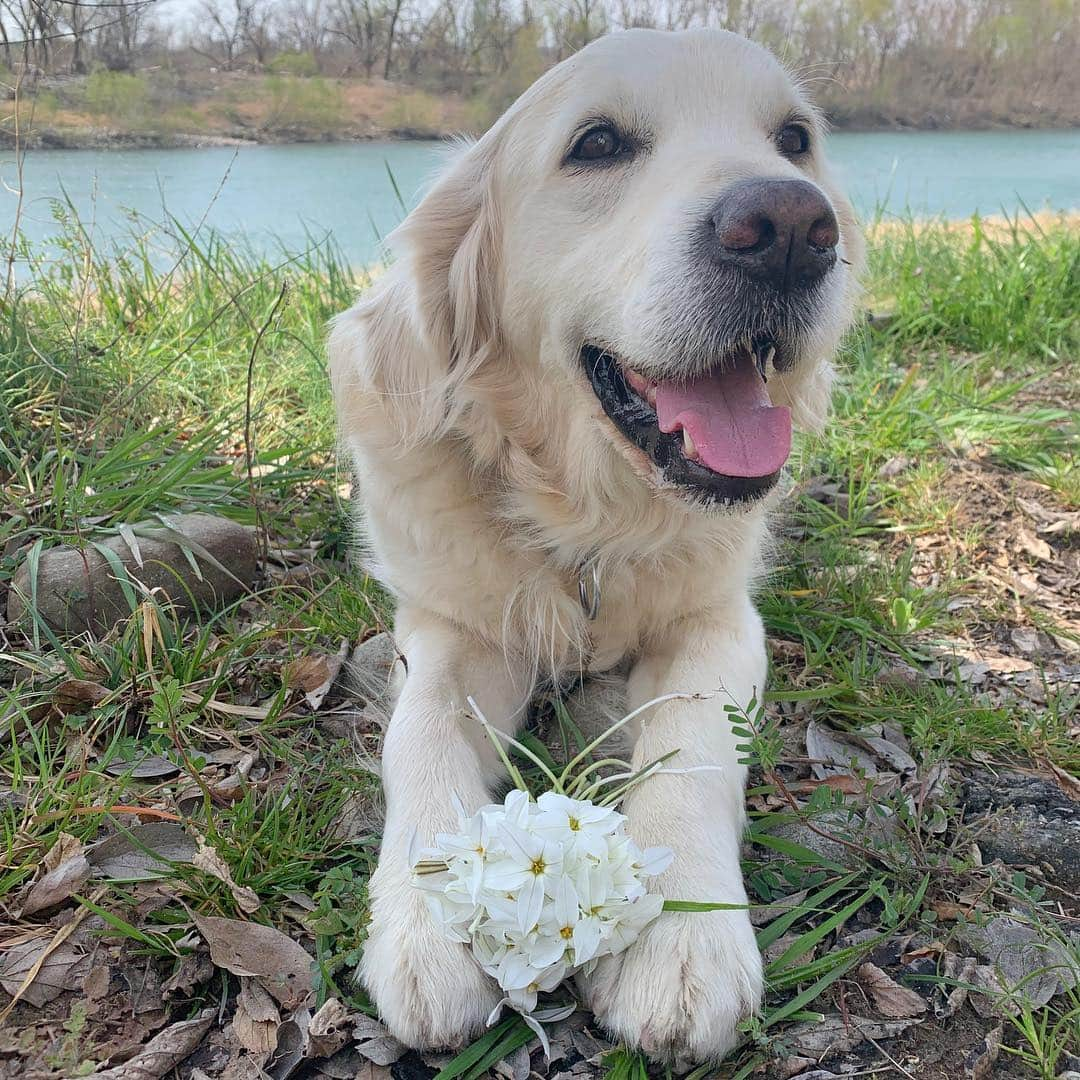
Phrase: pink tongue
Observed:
(735, 427)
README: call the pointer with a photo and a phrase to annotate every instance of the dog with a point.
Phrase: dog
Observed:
(568, 403)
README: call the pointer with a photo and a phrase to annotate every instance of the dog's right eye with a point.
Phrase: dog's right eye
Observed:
(598, 144)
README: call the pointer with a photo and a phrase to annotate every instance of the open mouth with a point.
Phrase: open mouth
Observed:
(717, 435)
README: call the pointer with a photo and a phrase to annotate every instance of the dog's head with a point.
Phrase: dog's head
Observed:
(648, 243)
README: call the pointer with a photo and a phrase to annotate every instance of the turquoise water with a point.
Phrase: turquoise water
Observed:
(282, 198)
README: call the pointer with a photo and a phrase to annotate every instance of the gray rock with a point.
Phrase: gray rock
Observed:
(1025, 821)
(839, 823)
(369, 674)
(78, 589)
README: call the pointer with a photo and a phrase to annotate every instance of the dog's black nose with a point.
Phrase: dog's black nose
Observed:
(781, 232)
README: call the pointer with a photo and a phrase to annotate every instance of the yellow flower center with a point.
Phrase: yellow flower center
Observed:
(538, 867)
(574, 824)
(567, 932)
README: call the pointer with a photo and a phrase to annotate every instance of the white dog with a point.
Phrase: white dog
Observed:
(567, 403)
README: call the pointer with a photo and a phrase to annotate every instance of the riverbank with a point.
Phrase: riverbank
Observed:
(163, 109)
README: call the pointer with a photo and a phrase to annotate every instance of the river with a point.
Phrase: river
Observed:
(282, 198)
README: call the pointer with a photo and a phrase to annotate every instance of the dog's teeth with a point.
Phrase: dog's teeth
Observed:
(689, 449)
(650, 395)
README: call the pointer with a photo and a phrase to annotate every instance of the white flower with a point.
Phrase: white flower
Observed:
(539, 890)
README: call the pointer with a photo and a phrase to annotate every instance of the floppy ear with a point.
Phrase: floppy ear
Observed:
(432, 321)
(451, 243)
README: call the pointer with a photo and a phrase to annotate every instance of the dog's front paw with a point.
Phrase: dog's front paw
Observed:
(680, 990)
(429, 991)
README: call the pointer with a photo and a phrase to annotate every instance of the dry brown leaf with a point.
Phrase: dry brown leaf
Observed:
(307, 673)
(316, 673)
(210, 862)
(57, 885)
(292, 1046)
(280, 964)
(838, 1034)
(76, 695)
(145, 766)
(1035, 546)
(62, 969)
(163, 1052)
(375, 1042)
(890, 998)
(64, 847)
(844, 782)
(979, 1064)
(831, 751)
(947, 911)
(143, 852)
(935, 948)
(330, 1029)
(1068, 783)
(256, 1020)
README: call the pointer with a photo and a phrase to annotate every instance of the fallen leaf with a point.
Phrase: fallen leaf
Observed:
(830, 750)
(256, 1020)
(979, 1063)
(330, 1029)
(143, 852)
(76, 695)
(990, 997)
(1068, 783)
(890, 998)
(958, 972)
(163, 1052)
(210, 862)
(1031, 965)
(375, 1042)
(64, 968)
(514, 1067)
(837, 1034)
(292, 1046)
(1051, 521)
(307, 673)
(1034, 545)
(64, 847)
(280, 964)
(316, 673)
(146, 766)
(56, 886)
(194, 970)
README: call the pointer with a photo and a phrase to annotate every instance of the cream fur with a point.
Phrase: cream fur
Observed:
(489, 475)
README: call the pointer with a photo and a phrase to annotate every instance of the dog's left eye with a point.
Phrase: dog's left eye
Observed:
(793, 140)
(598, 144)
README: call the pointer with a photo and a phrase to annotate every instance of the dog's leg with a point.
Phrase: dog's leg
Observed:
(430, 991)
(680, 990)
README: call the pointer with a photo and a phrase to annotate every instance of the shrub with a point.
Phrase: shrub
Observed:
(415, 112)
(118, 96)
(301, 64)
(314, 106)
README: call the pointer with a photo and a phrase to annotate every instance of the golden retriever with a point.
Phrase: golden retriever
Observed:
(567, 404)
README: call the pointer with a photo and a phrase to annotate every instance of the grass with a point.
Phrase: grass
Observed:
(129, 387)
